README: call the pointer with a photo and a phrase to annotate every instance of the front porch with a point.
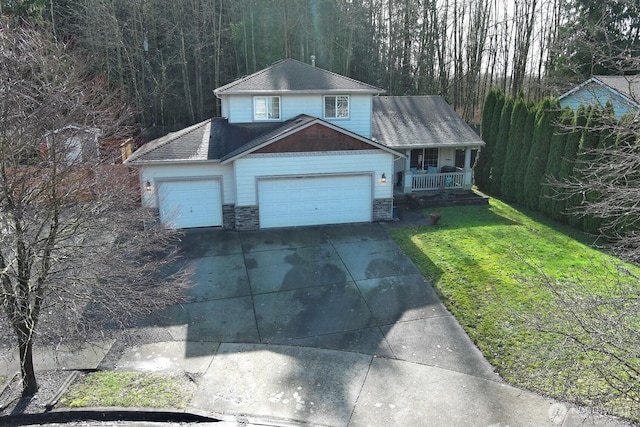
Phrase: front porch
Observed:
(430, 181)
(435, 169)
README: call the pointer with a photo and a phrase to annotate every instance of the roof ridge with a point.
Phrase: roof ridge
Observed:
(244, 78)
(333, 73)
(231, 85)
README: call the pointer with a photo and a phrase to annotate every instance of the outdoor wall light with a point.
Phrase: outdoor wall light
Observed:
(147, 186)
(383, 178)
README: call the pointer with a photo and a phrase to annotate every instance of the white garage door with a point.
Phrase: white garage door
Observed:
(187, 204)
(314, 200)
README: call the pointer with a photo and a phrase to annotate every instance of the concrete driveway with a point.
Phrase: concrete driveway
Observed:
(347, 288)
(330, 326)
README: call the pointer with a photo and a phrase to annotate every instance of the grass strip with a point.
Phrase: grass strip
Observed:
(127, 389)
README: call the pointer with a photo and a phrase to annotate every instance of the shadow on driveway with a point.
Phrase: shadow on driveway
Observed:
(348, 288)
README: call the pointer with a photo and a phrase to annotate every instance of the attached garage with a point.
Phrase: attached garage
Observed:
(300, 172)
(195, 202)
(315, 200)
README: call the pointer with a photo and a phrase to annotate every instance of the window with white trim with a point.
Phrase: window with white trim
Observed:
(424, 158)
(336, 106)
(266, 108)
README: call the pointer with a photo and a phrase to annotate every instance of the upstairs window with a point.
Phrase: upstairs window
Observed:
(266, 108)
(336, 107)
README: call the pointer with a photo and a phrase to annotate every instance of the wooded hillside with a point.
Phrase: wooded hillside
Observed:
(168, 56)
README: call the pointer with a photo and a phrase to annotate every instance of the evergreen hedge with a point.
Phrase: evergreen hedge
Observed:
(530, 147)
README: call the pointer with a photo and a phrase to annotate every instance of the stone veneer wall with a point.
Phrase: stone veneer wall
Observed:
(228, 216)
(382, 209)
(247, 218)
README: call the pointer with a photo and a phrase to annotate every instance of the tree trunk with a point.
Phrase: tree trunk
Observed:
(27, 371)
(185, 79)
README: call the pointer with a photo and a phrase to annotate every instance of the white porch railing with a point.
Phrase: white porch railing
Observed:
(436, 181)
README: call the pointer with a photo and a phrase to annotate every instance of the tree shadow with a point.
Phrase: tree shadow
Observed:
(343, 290)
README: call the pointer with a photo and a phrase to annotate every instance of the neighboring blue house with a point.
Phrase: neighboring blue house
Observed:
(298, 145)
(623, 92)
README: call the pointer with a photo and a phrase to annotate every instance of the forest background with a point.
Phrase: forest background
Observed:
(168, 56)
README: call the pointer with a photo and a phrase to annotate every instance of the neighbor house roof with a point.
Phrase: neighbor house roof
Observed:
(217, 139)
(420, 121)
(628, 87)
(290, 75)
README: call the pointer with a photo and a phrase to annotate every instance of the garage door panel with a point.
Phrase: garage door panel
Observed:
(314, 200)
(187, 204)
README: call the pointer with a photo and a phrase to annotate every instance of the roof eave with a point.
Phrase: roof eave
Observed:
(470, 144)
(580, 86)
(140, 163)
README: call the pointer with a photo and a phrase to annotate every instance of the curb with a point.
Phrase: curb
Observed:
(106, 414)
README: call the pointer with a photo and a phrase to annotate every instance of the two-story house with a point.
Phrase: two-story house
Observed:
(298, 145)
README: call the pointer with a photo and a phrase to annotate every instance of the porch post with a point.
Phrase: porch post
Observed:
(468, 173)
(408, 181)
(406, 187)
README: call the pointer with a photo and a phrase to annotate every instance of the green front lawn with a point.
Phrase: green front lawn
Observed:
(486, 262)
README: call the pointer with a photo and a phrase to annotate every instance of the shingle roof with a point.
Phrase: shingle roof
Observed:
(626, 85)
(420, 121)
(217, 139)
(398, 122)
(291, 75)
(272, 133)
(191, 143)
(213, 139)
(229, 138)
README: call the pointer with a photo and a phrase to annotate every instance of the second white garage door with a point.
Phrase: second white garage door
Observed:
(193, 203)
(302, 201)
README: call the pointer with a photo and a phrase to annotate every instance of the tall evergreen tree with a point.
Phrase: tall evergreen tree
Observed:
(604, 122)
(527, 140)
(588, 139)
(539, 153)
(554, 161)
(512, 158)
(482, 170)
(559, 209)
(500, 148)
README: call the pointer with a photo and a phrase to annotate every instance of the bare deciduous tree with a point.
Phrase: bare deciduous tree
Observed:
(595, 338)
(74, 252)
(611, 173)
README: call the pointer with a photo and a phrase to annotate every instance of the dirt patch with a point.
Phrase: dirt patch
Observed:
(50, 382)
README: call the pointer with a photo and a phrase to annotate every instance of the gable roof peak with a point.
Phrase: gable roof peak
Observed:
(625, 87)
(291, 75)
